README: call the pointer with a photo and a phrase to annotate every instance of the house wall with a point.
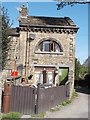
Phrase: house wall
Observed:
(68, 46)
(67, 40)
(67, 58)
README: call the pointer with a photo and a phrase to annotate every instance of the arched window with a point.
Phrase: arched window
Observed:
(49, 46)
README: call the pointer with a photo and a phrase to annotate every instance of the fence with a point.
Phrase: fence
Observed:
(27, 100)
(48, 98)
(19, 99)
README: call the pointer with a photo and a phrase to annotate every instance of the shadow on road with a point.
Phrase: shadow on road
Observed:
(82, 90)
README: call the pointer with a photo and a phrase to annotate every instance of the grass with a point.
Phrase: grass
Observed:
(41, 115)
(57, 108)
(0, 117)
(10, 115)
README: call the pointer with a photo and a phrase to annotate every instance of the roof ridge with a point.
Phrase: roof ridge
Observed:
(47, 17)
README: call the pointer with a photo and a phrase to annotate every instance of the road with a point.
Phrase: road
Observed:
(77, 109)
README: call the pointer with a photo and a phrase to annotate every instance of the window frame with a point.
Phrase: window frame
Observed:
(51, 49)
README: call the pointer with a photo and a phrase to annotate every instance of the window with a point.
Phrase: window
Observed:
(49, 46)
(46, 46)
(44, 75)
(50, 77)
(37, 77)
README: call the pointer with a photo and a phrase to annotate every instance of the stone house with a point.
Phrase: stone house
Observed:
(43, 47)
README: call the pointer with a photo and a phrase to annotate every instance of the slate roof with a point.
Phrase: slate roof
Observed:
(41, 21)
(47, 21)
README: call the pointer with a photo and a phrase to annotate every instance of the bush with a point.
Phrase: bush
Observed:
(11, 115)
(40, 115)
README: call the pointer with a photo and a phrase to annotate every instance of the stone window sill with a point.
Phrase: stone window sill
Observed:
(60, 53)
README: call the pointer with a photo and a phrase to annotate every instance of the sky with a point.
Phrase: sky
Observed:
(78, 13)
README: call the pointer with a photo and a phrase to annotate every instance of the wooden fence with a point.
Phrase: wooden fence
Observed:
(19, 99)
(27, 100)
(22, 99)
(48, 98)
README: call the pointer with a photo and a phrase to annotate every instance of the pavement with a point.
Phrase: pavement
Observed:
(77, 109)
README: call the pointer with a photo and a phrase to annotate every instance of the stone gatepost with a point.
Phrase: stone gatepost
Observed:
(71, 80)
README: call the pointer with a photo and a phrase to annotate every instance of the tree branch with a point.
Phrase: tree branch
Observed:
(63, 4)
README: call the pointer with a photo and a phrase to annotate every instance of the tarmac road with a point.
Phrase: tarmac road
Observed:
(77, 109)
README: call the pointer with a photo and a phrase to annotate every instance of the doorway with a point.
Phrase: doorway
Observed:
(44, 75)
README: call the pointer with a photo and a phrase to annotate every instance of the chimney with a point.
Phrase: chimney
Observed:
(23, 11)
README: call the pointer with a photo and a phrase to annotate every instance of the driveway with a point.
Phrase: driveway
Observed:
(77, 109)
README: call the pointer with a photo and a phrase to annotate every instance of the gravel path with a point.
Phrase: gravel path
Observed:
(77, 109)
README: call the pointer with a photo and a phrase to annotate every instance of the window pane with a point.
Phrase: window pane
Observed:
(50, 77)
(57, 48)
(40, 47)
(37, 77)
(46, 46)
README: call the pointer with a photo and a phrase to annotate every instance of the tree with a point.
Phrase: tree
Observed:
(63, 3)
(80, 70)
(77, 69)
(5, 35)
(83, 70)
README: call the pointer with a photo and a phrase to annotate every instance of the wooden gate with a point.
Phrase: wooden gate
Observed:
(48, 98)
(27, 100)
(21, 99)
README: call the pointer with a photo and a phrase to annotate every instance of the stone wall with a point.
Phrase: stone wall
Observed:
(66, 58)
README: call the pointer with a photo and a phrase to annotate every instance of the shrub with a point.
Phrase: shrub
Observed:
(11, 115)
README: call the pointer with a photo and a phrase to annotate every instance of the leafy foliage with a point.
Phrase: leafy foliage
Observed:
(5, 33)
(83, 70)
(11, 115)
(80, 70)
(63, 3)
(77, 68)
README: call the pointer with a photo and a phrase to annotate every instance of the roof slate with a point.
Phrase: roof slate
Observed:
(45, 21)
